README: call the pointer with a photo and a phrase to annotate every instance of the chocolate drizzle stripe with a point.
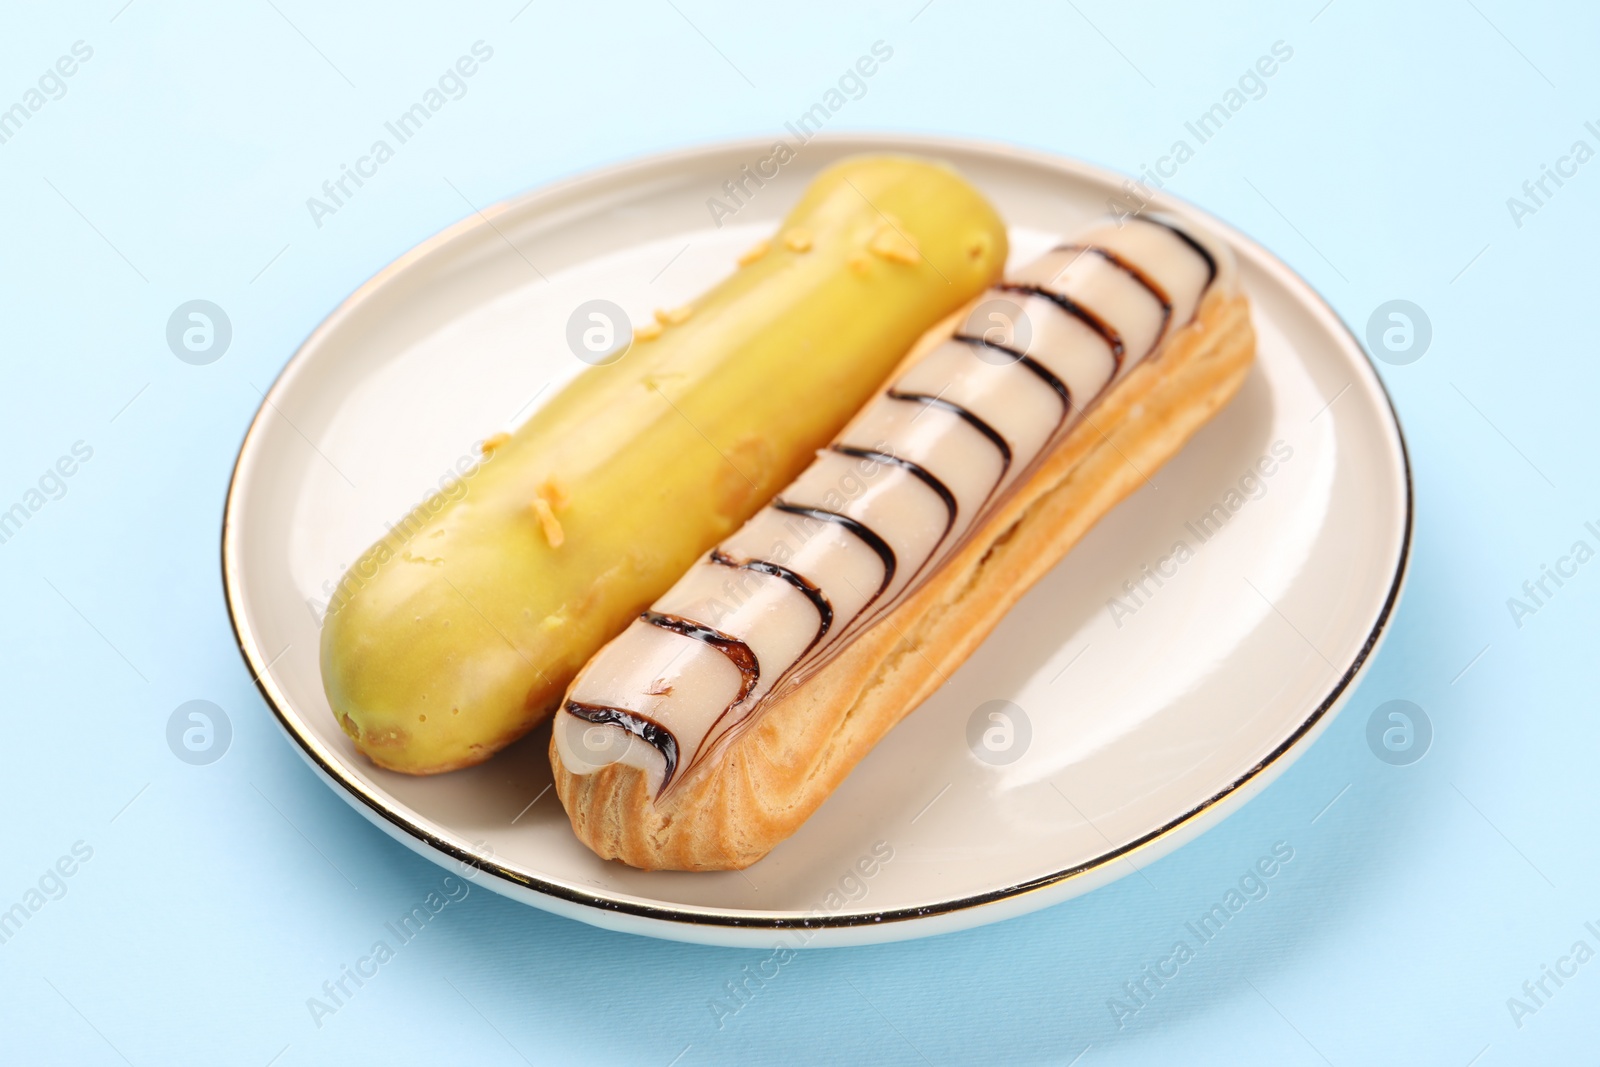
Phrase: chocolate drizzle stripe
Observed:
(863, 532)
(1107, 332)
(1044, 373)
(1138, 275)
(806, 586)
(968, 339)
(1049, 378)
(916, 470)
(952, 510)
(738, 653)
(1199, 249)
(966, 416)
(653, 734)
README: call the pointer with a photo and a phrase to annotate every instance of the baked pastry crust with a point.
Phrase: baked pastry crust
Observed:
(769, 779)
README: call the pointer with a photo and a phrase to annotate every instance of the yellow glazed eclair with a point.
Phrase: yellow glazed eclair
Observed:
(459, 630)
(728, 711)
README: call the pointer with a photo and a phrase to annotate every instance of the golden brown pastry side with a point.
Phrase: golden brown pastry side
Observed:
(736, 807)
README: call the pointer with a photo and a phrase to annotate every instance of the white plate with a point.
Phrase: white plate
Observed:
(1146, 727)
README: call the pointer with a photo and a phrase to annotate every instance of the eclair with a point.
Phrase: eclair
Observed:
(713, 726)
(460, 629)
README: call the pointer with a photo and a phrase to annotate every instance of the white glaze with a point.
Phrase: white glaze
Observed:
(689, 688)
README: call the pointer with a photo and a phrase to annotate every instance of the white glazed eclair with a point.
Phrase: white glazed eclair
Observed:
(714, 725)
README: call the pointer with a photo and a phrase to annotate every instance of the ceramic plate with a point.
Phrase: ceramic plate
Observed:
(1181, 656)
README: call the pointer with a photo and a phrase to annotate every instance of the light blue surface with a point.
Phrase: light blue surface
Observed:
(1378, 162)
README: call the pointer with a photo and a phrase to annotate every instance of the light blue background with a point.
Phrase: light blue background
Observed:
(1378, 164)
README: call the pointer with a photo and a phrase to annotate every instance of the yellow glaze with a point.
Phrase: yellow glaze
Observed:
(460, 630)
